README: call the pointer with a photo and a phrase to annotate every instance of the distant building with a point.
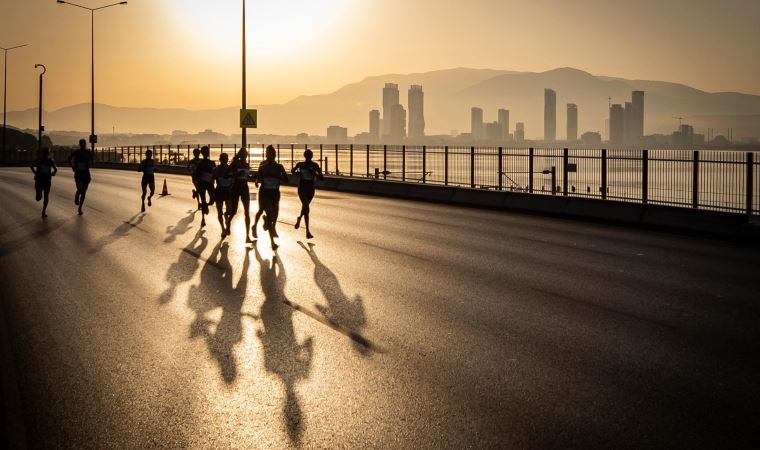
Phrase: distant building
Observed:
(494, 131)
(591, 139)
(572, 122)
(504, 123)
(519, 131)
(684, 137)
(476, 124)
(336, 134)
(617, 124)
(550, 115)
(630, 119)
(390, 98)
(374, 125)
(416, 106)
(398, 122)
(637, 101)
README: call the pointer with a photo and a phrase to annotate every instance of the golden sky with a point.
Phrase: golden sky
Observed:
(186, 53)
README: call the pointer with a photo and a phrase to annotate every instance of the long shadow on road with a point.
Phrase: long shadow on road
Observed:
(119, 232)
(184, 268)
(284, 356)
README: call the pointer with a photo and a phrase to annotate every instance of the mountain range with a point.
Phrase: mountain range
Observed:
(449, 95)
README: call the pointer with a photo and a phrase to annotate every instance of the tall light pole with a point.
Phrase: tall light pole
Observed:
(5, 89)
(40, 128)
(93, 136)
(244, 100)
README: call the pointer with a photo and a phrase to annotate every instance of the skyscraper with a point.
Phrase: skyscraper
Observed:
(630, 123)
(617, 124)
(476, 123)
(390, 98)
(398, 122)
(638, 108)
(550, 115)
(572, 122)
(494, 131)
(504, 123)
(519, 131)
(374, 125)
(416, 112)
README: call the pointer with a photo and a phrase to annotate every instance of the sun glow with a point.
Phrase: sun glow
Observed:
(277, 31)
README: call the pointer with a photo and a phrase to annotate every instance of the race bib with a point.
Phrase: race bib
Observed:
(243, 173)
(206, 176)
(44, 169)
(307, 175)
(270, 183)
(82, 166)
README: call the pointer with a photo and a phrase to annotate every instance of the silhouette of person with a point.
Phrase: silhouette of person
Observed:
(223, 192)
(309, 171)
(44, 170)
(148, 169)
(239, 170)
(191, 165)
(80, 161)
(271, 174)
(204, 175)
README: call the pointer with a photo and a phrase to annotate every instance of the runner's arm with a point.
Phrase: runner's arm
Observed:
(32, 166)
(318, 169)
(55, 167)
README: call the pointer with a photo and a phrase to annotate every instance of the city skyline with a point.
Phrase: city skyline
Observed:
(133, 54)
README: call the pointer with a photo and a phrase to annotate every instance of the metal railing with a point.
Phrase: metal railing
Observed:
(708, 179)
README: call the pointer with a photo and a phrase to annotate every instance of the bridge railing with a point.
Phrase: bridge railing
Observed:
(703, 179)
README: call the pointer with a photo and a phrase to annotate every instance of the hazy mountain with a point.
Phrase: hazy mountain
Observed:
(449, 95)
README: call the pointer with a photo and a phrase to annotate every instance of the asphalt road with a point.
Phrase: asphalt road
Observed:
(405, 325)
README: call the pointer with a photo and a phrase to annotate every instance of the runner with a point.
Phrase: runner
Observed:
(309, 171)
(239, 169)
(204, 174)
(271, 174)
(80, 161)
(148, 169)
(192, 165)
(223, 192)
(44, 170)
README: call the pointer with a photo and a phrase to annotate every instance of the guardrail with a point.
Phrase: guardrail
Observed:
(708, 179)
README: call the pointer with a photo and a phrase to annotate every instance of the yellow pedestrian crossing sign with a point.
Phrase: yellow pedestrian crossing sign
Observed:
(248, 118)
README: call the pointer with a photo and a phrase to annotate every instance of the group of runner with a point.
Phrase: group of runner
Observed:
(224, 184)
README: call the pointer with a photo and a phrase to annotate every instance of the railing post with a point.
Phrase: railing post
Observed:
(750, 167)
(446, 165)
(292, 156)
(565, 157)
(644, 176)
(367, 161)
(337, 171)
(695, 181)
(604, 173)
(472, 167)
(141, 153)
(351, 160)
(320, 154)
(501, 170)
(530, 170)
(424, 164)
(403, 163)
(278, 153)
(385, 162)
(327, 166)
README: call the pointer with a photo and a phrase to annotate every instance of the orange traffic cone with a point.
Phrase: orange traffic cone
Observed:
(165, 191)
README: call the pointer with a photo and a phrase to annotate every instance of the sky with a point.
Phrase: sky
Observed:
(187, 53)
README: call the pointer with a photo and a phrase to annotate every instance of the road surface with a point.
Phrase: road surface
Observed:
(404, 325)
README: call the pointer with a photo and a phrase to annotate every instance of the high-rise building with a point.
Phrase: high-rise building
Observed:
(476, 123)
(591, 139)
(630, 122)
(374, 125)
(617, 124)
(398, 122)
(390, 98)
(504, 123)
(519, 131)
(494, 131)
(336, 134)
(638, 107)
(572, 122)
(416, 112)
(550, 115)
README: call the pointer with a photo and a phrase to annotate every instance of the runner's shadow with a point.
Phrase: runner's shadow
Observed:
(341, 310)
(182, 227)
(215, 290)
(184, 268)
(284, 356)
(118, 233)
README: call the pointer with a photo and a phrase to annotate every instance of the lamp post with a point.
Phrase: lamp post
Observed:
(40, 128)
(244, 99)
(5, 88)
(93, 136)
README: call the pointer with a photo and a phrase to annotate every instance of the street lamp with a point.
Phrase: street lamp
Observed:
(40, 128)
(244, 100)
(93, 137)
(5, 88)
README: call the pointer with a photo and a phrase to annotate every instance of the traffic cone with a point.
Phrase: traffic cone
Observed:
(165, 191)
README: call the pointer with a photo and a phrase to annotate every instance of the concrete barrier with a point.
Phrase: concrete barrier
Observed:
(431, 193)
